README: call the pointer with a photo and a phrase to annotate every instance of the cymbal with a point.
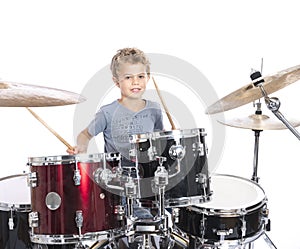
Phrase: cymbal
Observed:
(258, 122)
(250, 93)
(24, 95)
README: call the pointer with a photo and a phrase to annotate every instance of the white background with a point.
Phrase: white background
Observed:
(62, 44)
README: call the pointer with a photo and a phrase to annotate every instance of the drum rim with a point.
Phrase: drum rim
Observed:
(70, 159)
(182, 133)
(61, 239)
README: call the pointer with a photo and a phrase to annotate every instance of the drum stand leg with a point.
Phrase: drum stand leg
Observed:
(268, 241)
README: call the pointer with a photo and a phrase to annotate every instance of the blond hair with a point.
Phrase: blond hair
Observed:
(128, 55)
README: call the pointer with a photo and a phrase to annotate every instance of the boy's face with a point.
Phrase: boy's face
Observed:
(132, 80)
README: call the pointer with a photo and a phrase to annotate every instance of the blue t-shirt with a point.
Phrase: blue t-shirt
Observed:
(117, 123)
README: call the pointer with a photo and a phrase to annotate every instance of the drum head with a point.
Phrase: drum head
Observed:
(14, 192)
(232, 192)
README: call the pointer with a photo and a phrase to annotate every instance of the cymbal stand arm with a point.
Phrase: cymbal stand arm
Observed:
(273, 105)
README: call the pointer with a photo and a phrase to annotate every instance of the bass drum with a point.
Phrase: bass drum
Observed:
(236, 214)
(14, 209)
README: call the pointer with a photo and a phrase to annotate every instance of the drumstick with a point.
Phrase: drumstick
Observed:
(50, 129)
(164, 105)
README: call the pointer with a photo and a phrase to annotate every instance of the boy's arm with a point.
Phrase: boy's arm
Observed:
(83, 140)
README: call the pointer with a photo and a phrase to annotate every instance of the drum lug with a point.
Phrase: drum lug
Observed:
(151, 153)
(79, 221)
(223, 233)
(199, 147)
(243, 228)
(175, 215)
(265, 219)
(11, 220)
(201, 179)
(120, 212)
(77, 177)
(33, 219)
(32, 179)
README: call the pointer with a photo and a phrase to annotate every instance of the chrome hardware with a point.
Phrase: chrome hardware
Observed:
(223, 233)
(77, 177)
(33, 219)
(120, 212)
(201, 179)
(79, 221)
(177, 152)
(11, 220)
(53, 200)
(32, 179)
(175, 214)
(79, 218)
(199, 147)
(244, 227)
(130, 188)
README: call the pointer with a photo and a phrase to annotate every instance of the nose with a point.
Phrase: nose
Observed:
(135, 80)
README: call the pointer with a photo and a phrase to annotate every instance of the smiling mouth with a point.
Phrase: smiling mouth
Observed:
(136, 89)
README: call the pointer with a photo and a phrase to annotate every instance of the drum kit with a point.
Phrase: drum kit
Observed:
(167, 199)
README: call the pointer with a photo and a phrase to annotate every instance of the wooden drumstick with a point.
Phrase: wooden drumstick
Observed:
(164, 105)
(50, 129)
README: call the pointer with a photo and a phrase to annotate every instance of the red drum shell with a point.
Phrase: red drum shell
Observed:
(97, 204)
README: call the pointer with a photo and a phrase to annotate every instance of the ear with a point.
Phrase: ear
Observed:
(116, 81)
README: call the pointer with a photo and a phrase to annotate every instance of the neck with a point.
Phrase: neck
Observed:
(134, 105)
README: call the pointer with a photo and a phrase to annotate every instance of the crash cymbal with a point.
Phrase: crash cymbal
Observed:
(249, 92)
(23, 95)
(258, 122)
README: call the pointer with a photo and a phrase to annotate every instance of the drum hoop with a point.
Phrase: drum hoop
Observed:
(15, 207)
(67, 159)
(98, 157)
(58, 239)
(186, 133)
(50, 160)
(238, 212)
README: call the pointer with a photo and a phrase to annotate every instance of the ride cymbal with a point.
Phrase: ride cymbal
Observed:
(258, 122)
(250, 92)
(25, 95)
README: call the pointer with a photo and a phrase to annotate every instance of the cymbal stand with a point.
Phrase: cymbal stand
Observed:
(273, 103)
(255, 159)
(256, 147)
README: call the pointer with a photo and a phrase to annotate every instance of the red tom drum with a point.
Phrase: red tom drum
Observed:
(67, 204)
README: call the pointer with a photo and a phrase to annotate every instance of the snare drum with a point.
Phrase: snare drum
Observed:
(67, 204)
(236, 214)
(14, 209)
(186, 161)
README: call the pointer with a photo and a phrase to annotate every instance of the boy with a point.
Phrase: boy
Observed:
(130, 114)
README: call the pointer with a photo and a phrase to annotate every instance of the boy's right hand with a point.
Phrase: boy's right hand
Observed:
(73, 151)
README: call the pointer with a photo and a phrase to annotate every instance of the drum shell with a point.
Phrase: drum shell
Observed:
(191, 221)
(182, 186)
(96, 204)
(204, 221)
